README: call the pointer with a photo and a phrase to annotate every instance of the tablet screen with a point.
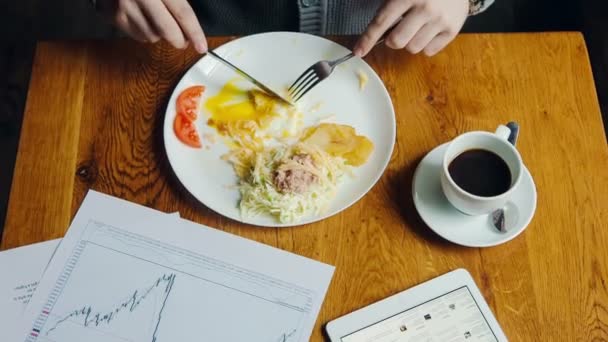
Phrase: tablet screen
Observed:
(453, 316)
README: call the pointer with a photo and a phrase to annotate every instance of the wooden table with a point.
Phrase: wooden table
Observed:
(93, 121)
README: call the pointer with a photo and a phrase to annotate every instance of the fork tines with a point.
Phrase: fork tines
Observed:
(304, 83)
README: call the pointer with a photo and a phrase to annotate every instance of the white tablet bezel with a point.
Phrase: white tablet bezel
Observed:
(410, 298)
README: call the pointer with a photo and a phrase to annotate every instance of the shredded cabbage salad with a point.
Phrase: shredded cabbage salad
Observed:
(259, 194)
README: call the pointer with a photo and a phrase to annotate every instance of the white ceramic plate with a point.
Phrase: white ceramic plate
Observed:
(277, 59)
(454, 226)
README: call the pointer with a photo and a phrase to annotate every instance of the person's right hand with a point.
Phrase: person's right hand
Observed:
(152, 20)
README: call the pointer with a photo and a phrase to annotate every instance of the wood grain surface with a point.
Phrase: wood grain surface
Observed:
(93, 121)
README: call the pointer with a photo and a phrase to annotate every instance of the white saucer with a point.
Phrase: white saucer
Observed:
(454, 226)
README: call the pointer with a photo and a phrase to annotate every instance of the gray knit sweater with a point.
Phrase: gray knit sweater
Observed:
(324, 17)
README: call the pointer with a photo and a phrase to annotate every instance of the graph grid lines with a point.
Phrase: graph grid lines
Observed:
(99, 241)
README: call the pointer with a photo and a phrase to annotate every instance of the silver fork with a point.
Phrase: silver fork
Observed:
(319, 72)
(313, 76)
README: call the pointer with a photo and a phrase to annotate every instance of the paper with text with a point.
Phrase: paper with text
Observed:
(21, 269)
(129, 273)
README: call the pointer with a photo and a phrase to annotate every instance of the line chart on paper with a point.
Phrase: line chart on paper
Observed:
(118, 286)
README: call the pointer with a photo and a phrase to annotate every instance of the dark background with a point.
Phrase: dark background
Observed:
(23, 22)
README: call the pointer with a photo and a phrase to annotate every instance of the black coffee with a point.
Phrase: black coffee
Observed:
(480, 172)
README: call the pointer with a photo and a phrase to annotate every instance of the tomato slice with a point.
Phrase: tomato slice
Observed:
(187, 101)
(186, 131)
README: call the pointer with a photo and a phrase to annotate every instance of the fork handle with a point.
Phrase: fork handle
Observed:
(339, 61)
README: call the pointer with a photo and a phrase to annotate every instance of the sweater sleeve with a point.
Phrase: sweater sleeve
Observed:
(478, 6)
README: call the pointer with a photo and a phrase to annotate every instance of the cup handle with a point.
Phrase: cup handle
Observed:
(510, 132)
(503, 132)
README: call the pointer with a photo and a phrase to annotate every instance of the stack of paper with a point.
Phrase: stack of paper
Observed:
(125, 272)
(21, 269)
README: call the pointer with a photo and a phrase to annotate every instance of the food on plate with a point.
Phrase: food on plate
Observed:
(187, 106)
(247, 118)
(287, 182)
(363, 79)
(283, 170)
(340, 141)
(232, 104)
(296, 174)
(297, 180)
(188, 101)
(186, 131)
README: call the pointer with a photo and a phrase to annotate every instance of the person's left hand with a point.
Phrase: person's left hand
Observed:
(426, 25)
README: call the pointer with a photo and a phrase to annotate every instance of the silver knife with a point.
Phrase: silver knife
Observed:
(247, 76)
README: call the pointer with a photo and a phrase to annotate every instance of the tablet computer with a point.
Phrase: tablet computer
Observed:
(447, 308)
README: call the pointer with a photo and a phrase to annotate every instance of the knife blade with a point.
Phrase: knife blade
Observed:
(249, 77)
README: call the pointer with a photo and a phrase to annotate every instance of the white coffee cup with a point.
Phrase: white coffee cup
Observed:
(497, 143)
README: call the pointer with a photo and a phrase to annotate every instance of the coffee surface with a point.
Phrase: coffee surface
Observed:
(481, 173)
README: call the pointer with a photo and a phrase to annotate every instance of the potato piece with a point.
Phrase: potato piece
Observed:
(340, 141)
(359, 155)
